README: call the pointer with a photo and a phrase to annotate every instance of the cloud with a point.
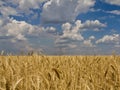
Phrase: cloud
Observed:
(27, 4)
(7, 10)
(19, 34)
(16, 32)
(56, 11)
(18, 7)
(89, 42)
(110, 39)
(115, 2)
(108, 44)
(72, 33)
(95, 10)
(116, 12)
(93, 25)
(13, 33)
(50, 30)
(91, 37)
(17, 47)
(19, 29)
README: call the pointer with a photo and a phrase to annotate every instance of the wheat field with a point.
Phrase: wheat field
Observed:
(59, 72)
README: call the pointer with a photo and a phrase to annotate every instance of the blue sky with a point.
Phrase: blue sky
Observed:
(60, 27)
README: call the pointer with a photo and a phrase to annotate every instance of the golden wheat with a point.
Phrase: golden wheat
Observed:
(59, 72)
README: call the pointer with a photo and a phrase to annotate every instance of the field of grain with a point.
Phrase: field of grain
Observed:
(59, 72)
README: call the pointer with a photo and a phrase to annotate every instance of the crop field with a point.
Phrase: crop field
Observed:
(59, 72)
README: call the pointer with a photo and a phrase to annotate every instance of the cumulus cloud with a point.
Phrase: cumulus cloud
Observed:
(21, 34)
(19, 29)
(89, 42)
(72, 33)
(109, 39)
(27, 4)
(50, 30)
(115, 2)
(64, 10)
(109, 43)
(17, 7)
(7, 10)
(13, 34)
(94, 25)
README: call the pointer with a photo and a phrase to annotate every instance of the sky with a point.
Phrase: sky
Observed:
(60, 27)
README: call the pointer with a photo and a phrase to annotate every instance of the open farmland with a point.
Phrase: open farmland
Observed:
(59, 72)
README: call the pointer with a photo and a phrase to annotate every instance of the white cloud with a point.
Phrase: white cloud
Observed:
(108, 44)
(7, 10)
(89, 42)
(95, 10)
(91, 37)
(64, 10)
(116, 12)
(109, 39)
(21, 6)
(19, 29)
(26, 4)
(94, 25)
(50, 29)
(72, 33)
(19, 35)
(115, 2)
